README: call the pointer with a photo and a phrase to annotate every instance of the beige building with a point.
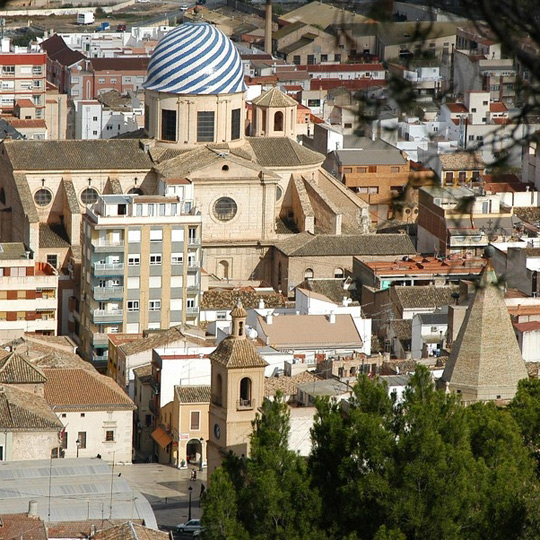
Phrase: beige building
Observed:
(237, 391)
(140, 267)
(28, 427)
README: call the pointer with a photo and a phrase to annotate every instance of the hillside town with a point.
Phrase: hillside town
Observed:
(210, 206)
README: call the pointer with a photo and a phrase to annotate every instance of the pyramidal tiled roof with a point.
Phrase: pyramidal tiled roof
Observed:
(193, 394)
(485, 362)
(14, 369)
(274, 98)
(22, 411)
(237, 353)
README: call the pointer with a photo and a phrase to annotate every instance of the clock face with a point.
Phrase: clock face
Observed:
(217, 431)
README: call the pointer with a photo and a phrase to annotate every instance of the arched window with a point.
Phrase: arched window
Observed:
(338, 273)
(245, 400)
(135, 191)
(308, 273)
(240, 328)
(278, 121)
(218, 393)
(223, 269)
(89, 195)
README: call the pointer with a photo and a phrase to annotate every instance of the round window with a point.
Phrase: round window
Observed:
(135, 191)
(279, 193)
(89, 196)
(225, 209)
(42, 197)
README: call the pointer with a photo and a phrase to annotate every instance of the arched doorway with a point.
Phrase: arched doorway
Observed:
(194, 451)
(223, 269)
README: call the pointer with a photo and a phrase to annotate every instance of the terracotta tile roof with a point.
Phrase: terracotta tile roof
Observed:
(193, 394)
(531, 326)
(274, 98)
(25, 196)
(80, 529)
(457, 108)
(57, 50)
(421, 297)
(22, 526)
(81, 389)
(14, 369)
(77, 155)
(308, 245)
(402, 328)
(144, 373)
(19, 123)
(310, 331)
(282, 152)
(160, 339)
(25, 411)
(25, 102)
(331, 289)
(237, 353)
(497, 107)
(53, 235)
(287, 385)
(462, 160)
(132, 531)
(225, 298)
(121, 63)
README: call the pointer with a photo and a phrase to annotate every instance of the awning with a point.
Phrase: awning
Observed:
(161, 437)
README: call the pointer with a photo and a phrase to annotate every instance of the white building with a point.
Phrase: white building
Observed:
(528, 336)
(428, 334)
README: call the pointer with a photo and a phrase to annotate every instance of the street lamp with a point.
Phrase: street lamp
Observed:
(78, 443)
(190, 489)
(201, 461)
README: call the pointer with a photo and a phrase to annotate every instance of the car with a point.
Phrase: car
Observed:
(184, 8)
(121, 28)
(192, 526)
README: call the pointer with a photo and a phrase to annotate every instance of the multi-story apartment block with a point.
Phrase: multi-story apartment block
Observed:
(141, 260)
(28, 293)
(23, 77)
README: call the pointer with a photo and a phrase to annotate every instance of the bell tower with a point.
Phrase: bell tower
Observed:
(237, 388)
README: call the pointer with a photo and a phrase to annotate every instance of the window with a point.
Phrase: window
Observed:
(109, 435)
(347, 170)
(154, 282)
(89, 196)
(205, 126)
(225, 209)
(133, 305)
(235, 124)
(484, 103)
(177, 235)
(308, 273)
(64, 443)
(310, 59)
(133, 282)
(155, 260)
(313, 102)
(36, 70)
(192, 235)
(134, 236)
(156, 235)
(361, 170)
(324, 58)
(134, 260)
(42, 197)
(278, 121)
(296, 60)
(81, 437)
(154, 305)
(195, 421)
(394, 169)
(177, 258)
(8, 70)
(337, 57)
(168, 125)
(52, 260)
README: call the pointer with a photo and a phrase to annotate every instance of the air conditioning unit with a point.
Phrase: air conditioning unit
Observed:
(44, 317)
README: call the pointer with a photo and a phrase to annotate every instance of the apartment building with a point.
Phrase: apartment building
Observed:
(28, 293)
(23, 77)
(141, 259)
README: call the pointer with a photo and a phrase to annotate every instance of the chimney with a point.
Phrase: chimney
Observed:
(345, 302)
(261, 304)
(332, 318)
(32, 509)
(268, 28)
(269, 318)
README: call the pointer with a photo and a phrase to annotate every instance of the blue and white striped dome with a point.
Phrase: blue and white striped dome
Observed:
(195, 58)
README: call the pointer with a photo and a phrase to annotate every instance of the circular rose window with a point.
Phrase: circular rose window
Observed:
(89, 196)
(42, 197)
(225, 209)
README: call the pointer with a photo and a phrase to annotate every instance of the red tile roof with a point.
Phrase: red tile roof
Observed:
(530, 326)
(497, 107)
(457, 107)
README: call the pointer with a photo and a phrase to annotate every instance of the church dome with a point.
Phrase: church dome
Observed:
(195, 58)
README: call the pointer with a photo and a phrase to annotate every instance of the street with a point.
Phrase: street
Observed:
(167, 491)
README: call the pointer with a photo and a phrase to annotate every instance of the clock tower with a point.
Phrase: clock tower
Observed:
(237, 388)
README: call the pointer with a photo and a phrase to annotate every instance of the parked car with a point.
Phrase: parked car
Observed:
(121, 28)
(192, 526)
(183, 8)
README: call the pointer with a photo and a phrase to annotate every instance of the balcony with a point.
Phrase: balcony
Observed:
(104, 246)
(192, 310)
(103, 316)
(108, 269)
(245, 404)
(108, 293)
(100, 339)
